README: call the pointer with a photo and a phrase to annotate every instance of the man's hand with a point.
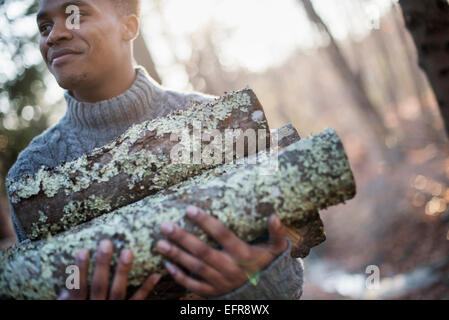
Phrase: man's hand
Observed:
(100, 279)
(221, 271)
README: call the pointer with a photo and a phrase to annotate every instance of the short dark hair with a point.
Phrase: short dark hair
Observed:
(128, 6)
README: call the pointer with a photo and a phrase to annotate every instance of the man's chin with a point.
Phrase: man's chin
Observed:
(70, 80)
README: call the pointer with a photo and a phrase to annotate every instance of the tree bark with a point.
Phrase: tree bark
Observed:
(137, 164)
(311, 175)
(428, 22)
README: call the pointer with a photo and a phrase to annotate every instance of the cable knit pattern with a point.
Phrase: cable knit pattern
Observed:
(86, 126)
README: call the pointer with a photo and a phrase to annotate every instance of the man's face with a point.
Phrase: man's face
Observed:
(81, 56)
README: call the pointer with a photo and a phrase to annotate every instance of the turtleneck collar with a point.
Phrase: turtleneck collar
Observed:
(122, 111)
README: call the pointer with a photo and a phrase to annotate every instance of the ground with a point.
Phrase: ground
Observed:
(399, 222)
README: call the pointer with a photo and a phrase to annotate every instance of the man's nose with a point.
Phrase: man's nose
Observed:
(58, 33)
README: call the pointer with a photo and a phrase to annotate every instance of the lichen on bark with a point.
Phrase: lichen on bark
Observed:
(313, 174)
(133, 166)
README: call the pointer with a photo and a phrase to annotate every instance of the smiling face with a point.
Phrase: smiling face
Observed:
(84, 56)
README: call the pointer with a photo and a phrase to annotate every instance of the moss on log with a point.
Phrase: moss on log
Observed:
(135, 165)
(303, 236)
(312, 174)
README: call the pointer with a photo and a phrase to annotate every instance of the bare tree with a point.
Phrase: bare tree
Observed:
(428, 22)
(417, 80)
(387, 65)
(356, 87)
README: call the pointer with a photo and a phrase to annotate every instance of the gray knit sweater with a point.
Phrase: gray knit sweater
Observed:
(86, 126)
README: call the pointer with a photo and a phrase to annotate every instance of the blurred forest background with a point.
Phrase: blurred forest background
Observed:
(347, 64)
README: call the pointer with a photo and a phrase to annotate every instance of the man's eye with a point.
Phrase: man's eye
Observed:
(45, 28)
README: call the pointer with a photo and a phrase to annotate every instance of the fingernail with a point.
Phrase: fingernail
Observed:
(163, 246)
(167, 227)
(64, 295)
(275, 220)
(126, 256)
(171, 268)
(105, 246)
(82, 255)
(192, 211)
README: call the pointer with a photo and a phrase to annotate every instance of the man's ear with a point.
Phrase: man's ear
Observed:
(130, 27)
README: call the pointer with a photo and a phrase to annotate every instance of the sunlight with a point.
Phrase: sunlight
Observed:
(252, 34)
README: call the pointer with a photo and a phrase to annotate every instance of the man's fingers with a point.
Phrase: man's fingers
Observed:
(100, 279)
(82, 262)
(214, 258)
(146, 288)
(198, 287)
(64, 295)
(193, 264)
(225, 237)
(278, 238)
(119, 284)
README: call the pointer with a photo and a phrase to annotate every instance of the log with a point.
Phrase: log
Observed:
(135, 165)
(303, 236)
(312, 174)
(281, 139)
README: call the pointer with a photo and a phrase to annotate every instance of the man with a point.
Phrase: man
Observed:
(105, 95)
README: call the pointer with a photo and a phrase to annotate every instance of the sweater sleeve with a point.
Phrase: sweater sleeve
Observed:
(281, 280)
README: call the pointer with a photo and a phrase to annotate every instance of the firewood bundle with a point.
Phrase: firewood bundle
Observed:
(125, 190)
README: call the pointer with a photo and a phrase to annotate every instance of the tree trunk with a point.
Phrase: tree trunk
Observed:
(137, 164)
(417, 81)
(143, 57)
(389, 79)
(428, 22)
(357, 90)
(311, 175)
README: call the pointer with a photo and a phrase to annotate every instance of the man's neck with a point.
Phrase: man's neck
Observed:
(113, 86)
